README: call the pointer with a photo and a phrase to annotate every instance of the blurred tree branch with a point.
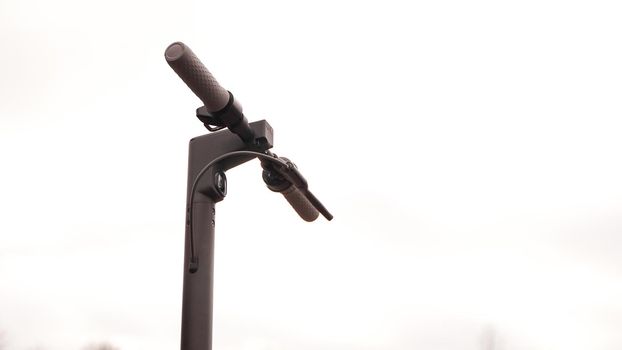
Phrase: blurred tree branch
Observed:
(99, 346)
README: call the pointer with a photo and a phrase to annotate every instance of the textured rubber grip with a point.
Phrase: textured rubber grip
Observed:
(301, 204)
(190, 69)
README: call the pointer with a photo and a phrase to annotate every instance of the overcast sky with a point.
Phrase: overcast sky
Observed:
(470, 152)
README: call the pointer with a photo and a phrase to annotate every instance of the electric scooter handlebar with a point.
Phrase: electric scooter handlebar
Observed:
(287, 180)
(224, 110)
(301, 204)
(192, 71)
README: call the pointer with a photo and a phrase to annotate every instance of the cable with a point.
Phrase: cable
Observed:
(194, 261)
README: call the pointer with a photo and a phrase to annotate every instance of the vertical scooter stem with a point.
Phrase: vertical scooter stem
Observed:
(208, 159)
(198, 286)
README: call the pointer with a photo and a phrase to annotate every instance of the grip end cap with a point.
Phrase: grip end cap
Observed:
(174, 51)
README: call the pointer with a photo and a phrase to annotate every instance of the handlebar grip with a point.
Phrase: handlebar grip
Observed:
(190, 69)
(300, 203)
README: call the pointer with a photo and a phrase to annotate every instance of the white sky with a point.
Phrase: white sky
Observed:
(470, 152)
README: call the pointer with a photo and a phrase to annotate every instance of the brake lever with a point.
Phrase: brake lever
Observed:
(279, 178)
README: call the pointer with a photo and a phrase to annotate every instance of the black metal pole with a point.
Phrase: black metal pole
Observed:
(196, 324)
(196, 319)
(205, 186)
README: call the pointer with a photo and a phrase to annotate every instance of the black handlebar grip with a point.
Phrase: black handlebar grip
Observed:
(300, 203)
(190, 69)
